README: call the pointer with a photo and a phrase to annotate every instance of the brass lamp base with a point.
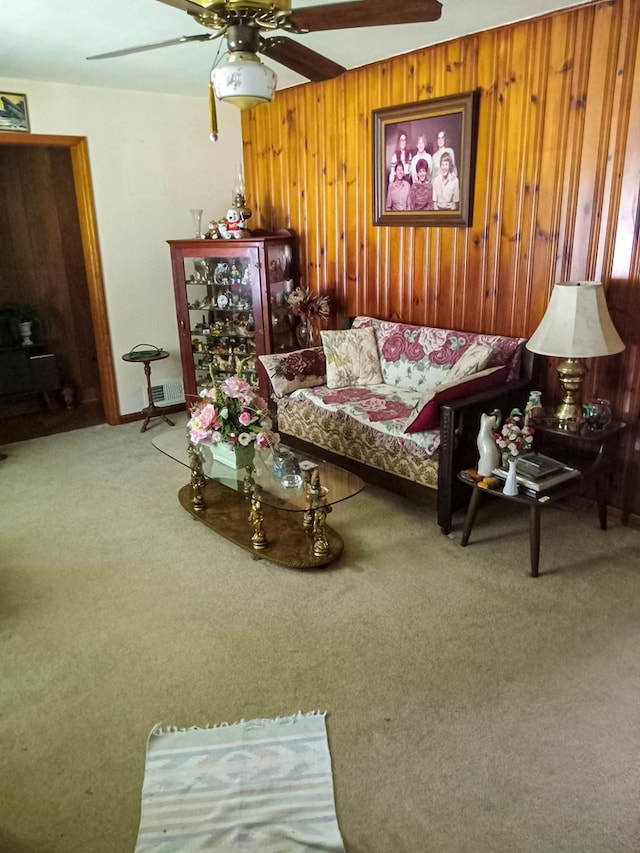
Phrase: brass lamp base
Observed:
(571, 372)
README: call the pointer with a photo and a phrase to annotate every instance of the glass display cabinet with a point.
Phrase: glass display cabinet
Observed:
(230, 300)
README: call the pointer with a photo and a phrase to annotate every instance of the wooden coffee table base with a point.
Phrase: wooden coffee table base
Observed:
(288, 542)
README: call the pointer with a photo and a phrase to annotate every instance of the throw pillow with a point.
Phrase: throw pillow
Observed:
(426, 415)
(474, 358)
(352, 358)
(305, 368)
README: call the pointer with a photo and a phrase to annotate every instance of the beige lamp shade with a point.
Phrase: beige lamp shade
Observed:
(576, 323)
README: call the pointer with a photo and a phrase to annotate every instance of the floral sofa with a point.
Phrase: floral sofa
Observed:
(399, 404)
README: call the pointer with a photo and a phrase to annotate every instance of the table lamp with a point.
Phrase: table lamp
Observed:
(576, 325)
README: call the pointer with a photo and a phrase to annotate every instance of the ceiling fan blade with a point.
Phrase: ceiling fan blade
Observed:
(364, 13)
(142, 47)
(312, 65)
(187, 6)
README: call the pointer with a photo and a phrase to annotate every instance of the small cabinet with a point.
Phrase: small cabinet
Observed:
(28, 370)
(231, 306)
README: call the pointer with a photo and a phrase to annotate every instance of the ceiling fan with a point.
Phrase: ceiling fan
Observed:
(240, 77)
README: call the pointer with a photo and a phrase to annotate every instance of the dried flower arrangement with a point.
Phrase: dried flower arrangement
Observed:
(306, 305)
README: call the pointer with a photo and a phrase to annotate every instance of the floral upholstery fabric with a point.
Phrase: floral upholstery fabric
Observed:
(367, 423)
(382, 408)
(352, 357)
(292, 370)
(475, 358)
(426, 415)
(354, 440)
(420, 357)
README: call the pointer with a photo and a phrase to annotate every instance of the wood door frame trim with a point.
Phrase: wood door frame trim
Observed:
(79, 151)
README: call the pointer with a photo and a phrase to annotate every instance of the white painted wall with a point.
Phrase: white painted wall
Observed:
(151, 162)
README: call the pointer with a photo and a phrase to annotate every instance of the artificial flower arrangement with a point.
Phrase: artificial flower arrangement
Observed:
(304, 304)
(234, 412)
(514, 438)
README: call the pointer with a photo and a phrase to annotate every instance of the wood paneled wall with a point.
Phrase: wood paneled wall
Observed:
(556, 193)
(41, 260)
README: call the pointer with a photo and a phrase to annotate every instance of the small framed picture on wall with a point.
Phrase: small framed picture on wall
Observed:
(14, 115)
(423, 162)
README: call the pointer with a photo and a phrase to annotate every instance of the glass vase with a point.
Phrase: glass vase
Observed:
(196, 216)
(597, 414)
(286, 469)
(307, 335)
(511, 484)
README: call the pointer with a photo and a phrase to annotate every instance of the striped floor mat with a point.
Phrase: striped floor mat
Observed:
(259, 785)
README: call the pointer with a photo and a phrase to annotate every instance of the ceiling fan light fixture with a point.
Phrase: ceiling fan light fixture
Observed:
(243, 80)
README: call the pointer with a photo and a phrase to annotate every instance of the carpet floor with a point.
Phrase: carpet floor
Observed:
(471, 708)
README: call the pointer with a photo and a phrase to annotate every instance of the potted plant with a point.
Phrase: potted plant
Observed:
(19, 320)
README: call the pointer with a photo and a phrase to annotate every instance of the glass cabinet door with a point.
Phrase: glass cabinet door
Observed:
(223, 310)
(280, 284)
(231, 306)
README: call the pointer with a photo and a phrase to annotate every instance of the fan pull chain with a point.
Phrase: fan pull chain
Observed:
(213, 117)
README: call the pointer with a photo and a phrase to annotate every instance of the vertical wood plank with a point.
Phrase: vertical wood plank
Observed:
(556, 192)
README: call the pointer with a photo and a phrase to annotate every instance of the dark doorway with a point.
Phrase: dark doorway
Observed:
(49, 258)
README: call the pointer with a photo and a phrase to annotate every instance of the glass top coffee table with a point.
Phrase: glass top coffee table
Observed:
(254, 509)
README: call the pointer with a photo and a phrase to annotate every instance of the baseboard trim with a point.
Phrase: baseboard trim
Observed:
(139, 416)
(628, 519)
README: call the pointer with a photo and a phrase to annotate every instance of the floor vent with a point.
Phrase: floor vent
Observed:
(166, 394)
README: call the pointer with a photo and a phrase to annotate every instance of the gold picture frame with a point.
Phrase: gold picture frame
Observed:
(14, 115)
(439, 134)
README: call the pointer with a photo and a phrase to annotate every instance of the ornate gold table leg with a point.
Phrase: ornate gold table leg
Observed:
(320, 541)
(197, 477)
(259, 539)
(248, 483)
(311, 483)
(315, 517)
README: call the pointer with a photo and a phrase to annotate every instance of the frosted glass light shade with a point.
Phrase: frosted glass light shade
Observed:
(243, 80)
(576, 323)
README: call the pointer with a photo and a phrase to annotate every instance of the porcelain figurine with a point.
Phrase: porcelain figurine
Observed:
(232, 226)
(487, 448)
(212, 233)
(221, 273)
(533, 409)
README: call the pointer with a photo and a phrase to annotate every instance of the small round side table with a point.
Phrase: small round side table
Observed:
(146, 357)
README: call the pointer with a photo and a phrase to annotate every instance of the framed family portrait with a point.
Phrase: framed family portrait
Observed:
(13, 112)
(423, 162)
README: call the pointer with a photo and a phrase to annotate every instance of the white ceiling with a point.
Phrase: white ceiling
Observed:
(50, 40)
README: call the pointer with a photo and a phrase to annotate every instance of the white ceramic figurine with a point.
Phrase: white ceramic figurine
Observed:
(488, 449)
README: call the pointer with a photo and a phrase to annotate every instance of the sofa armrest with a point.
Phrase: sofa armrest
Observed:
(459, 425)
(473, 401)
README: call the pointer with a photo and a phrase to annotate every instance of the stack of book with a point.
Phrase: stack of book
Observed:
(537, 474)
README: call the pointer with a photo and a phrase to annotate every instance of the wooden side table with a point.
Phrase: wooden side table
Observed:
(592, 452)
(535, 505)
(146, 357)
